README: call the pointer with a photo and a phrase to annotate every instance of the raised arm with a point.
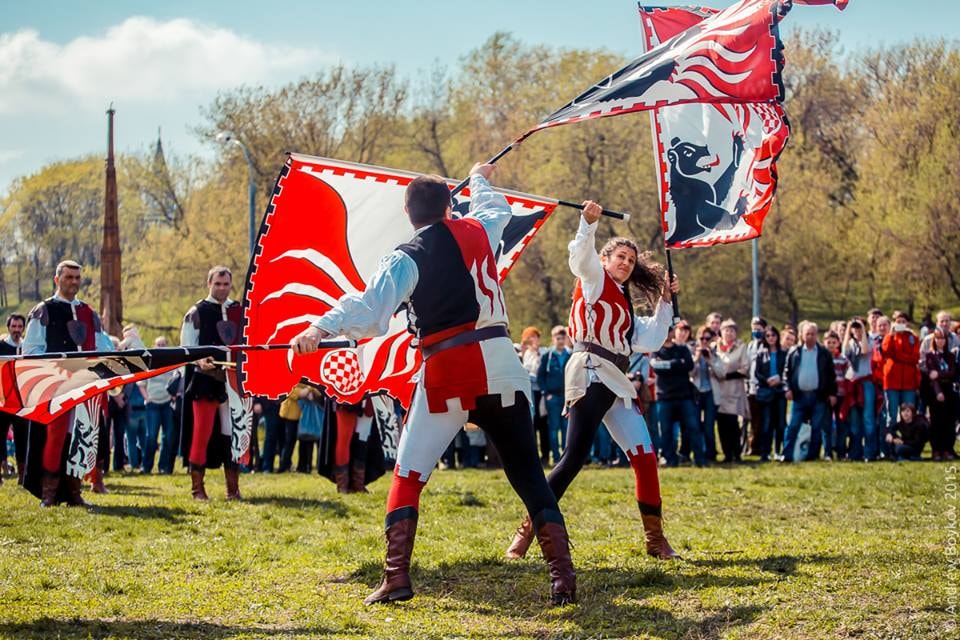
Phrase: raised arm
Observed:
(488, 206)
(367, 314)
(584, 260)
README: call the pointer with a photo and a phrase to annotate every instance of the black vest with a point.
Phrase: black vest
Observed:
(445, 295)
(7, 349)
(59, 315)
(209, 314)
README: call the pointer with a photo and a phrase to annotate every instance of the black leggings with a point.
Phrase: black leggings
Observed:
(585, 417)
(510, 429)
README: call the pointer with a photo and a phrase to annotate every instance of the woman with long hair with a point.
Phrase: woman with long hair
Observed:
(771, 398)
(605, 331)
(861, 401)
(939, 367)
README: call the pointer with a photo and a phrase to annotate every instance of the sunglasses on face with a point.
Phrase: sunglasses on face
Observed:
(705, 338)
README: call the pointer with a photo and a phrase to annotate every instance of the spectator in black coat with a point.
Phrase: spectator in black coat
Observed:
(771, 403)
(673, 364)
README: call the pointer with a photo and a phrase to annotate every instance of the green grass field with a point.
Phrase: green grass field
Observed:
(820, 550)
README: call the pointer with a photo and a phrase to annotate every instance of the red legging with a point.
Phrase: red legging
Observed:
(204, 414)
(53, 447)
(346, 425)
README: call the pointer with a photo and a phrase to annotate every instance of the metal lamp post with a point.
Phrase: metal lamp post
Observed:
(226, 137)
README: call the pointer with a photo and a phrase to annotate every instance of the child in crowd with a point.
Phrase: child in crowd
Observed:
(909, 434)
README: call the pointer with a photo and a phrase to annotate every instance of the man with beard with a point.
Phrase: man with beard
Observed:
(58, 324)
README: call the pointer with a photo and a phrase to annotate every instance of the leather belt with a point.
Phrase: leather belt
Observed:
(467, 337)
(621, 362)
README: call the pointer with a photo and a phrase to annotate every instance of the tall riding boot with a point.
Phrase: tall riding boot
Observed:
(74, 487)
(657, 545)
(555, 545)
(521, 540)
(49, 484)
(232, 477)
(97, 484)
(21, 470)
(358, 472)
(401, 531)
(198, 491)
(341, 477)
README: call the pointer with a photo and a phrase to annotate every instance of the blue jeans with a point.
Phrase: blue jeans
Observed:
(895, 398)
(556, 424)
(136, 436)
(272, 440)
(868, 418)
(159, 423)
(685, 412)
(771, 424)
(707, 408)
(806, 407)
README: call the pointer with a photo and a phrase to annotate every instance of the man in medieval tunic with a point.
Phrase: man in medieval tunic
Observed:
(447, 277)
(206, 420)
(60, 324)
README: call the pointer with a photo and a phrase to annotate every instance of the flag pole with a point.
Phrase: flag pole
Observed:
(200, 351)
(619, 215)
(673, 296)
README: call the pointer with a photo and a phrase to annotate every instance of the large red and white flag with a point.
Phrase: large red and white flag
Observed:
(328, 224)
(42, 387)
(716, 162)
(733, 55)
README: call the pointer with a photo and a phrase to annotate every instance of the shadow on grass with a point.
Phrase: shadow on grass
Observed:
(172, 515)
(610, 598)
(130, 489)
(78, 628)
(334, 508)
(779, 564)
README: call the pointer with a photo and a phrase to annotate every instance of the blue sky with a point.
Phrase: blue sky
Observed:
(61, 63)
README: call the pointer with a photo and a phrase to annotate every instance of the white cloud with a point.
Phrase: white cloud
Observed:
(140, 60)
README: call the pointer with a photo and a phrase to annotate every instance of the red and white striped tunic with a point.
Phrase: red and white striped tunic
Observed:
(605, 321)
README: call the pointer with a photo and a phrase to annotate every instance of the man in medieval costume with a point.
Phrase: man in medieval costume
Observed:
(206, 420)
(447, 278)
(60, 324)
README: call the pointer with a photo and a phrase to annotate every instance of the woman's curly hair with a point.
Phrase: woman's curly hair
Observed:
(647, 280)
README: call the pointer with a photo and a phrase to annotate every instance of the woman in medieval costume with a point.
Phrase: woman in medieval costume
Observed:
(605, 332)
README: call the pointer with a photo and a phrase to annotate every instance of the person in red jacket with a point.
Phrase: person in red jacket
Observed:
(900, 366)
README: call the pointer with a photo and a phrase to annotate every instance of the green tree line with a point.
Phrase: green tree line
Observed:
(866, 213)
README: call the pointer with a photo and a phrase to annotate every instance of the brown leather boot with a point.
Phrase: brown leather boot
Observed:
(555, 545)
(49, 484)
(521, 540)
(341, 477)
(232, 477)
(358, 472)
(657, 545)
(401, 531)
(74, 488)
(198, 491)
(97, 484)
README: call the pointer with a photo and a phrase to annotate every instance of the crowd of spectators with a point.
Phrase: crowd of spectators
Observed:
(866, 389)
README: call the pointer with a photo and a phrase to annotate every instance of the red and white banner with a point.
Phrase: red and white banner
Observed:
(733, 55)
(716, 162)
(326, 228)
